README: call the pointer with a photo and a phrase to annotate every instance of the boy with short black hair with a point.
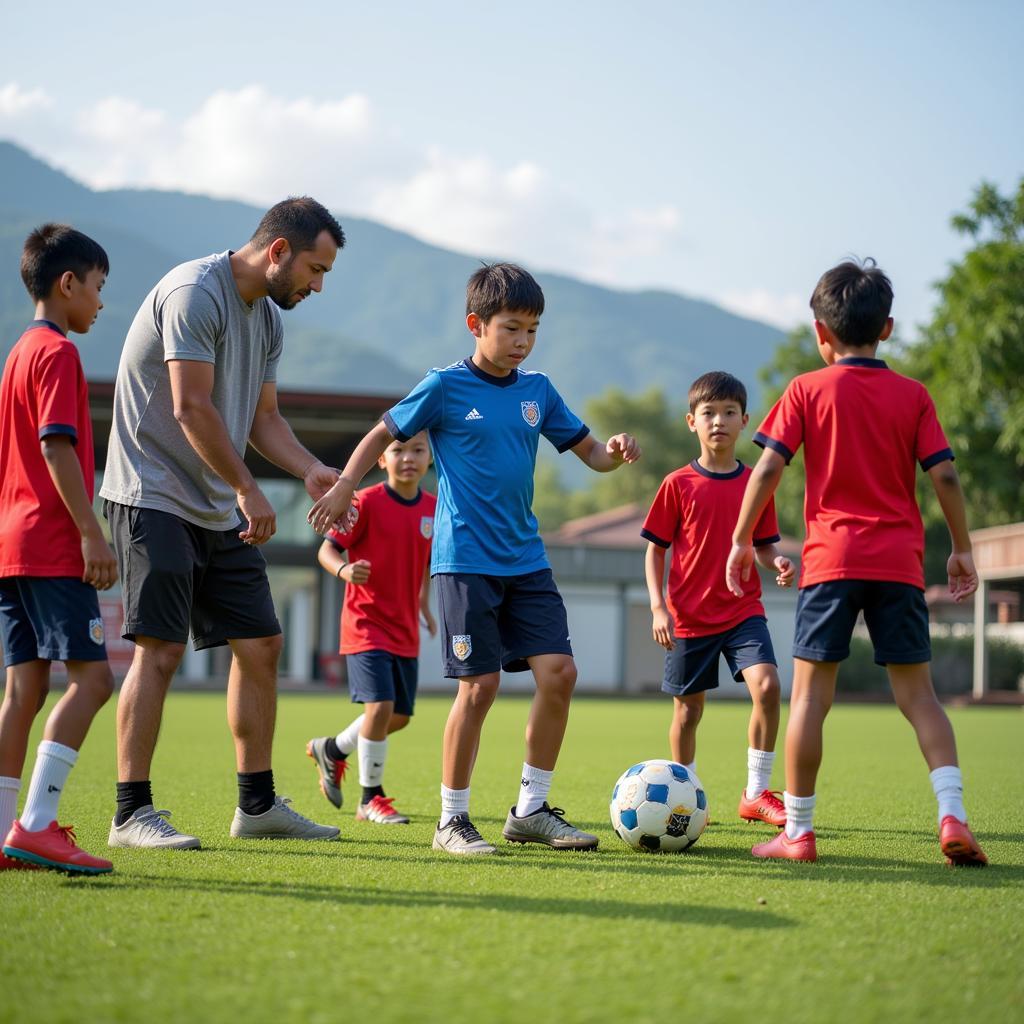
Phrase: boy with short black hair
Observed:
(862, 427)
(692, 514)
(498, 603)
(387, 591)
(53, 556)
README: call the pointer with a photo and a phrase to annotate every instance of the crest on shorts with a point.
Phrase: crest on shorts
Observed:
(427, 527)
(462, 645)
(531, 413)
(96, 631)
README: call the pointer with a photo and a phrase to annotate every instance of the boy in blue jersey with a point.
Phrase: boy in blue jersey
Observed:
(498, 602)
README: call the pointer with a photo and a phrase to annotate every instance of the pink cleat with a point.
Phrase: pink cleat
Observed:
(783, 848)
(959, 845)
(53, 847)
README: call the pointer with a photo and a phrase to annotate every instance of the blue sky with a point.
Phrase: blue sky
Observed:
(726, 151)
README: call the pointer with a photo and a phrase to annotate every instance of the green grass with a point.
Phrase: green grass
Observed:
(379, 928)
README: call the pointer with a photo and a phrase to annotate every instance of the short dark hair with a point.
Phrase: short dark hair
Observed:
(498, 286)
(853, 301)
(53, 249)
(718, 386)
(299, 219)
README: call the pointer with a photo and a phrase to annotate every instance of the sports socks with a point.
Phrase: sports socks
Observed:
(759, 771)
(9, 789)
(53, 763)
(130, 797)
(533, 790)
(372, 755)
(453, 802)
(799, 815)
(256, 791)
(332, 750)
(348, 739)
(948, 784)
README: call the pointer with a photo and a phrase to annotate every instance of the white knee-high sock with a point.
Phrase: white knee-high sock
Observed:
(372, 755)
(453, 802)
(9, 789)
(948, 784)
(759, 771)
(53, 763)
(348, 738)
(799, 815)
(533, 790)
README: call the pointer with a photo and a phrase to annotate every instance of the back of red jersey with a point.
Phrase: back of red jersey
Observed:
(862, 427)
(393, 534)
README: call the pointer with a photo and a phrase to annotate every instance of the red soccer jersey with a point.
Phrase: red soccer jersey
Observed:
(393, 534)
(862, 427)
(695, 512)
(43, 392)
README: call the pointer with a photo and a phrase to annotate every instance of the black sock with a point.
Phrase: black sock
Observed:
(130, 797)
(333, 751)
(369, 792)
(256, 791)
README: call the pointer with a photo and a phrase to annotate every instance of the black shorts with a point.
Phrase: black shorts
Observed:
(895, 613)
(375, 676)
(497, 622)
(176, 576)
(50, 618)
(692, 664)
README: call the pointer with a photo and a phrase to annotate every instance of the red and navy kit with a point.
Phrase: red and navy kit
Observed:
(393, 534)
(862, 427)
(43, 393)
(694, 513)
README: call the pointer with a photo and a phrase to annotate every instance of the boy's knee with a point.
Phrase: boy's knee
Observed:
(561, 676)
(98, 679)
(398, 722)
(766, 690)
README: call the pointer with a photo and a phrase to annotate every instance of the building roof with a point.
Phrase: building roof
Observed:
(999, 551)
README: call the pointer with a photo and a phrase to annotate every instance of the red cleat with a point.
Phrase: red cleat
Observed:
(53, 847)
(959, 846)
(766, 807)
(783, 848)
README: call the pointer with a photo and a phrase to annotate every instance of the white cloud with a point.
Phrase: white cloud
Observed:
(16, 102)
(786, 311)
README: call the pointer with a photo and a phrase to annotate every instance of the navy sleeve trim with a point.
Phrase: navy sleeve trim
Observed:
(933, 460)
(59, 428)
(574, 440)
(338, 546)
(763, 542)
(393, 429)
(654, 539)
(764, 441)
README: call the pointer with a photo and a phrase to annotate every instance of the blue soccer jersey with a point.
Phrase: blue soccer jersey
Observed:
(484, 432)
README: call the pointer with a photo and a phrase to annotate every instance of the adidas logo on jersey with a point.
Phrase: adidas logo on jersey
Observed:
(473, 414)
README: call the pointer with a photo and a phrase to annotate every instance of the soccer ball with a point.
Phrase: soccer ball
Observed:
(659, 806)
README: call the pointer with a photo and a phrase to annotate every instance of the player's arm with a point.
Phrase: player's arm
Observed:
(66, 473)
(662, 627)
(272, 436)
(603, 457)
(768, 557)
(963, 577)
(332, 559)
(760, 487)
(425, 612)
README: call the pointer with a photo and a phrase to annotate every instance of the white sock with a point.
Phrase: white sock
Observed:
(53, 762)
(372, 755)
(692, 767)
(799, 815)
(9, 788)
(533, 790)
(759, 771)
(948, 784)
(348, 738)
(453, 802)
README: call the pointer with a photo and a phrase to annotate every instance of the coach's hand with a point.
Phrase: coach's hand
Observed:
(259, 514)
(623, 448)
(100, 564)
(319, 479)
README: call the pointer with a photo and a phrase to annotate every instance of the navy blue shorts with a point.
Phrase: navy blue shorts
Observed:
(895, 613)
(374, 676)
(497, 622)
(692, 665)
(52, 618)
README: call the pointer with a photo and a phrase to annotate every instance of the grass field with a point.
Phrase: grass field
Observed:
(379, 928)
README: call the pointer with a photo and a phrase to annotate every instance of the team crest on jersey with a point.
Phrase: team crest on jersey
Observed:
(96, 631)
(531, 413)
(427, 527)
(462, 645)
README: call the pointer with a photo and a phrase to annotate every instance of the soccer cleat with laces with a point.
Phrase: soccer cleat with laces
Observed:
(460, 836)
(149, 829)
(53, 847)
(331, 772)
(381, 811)
(280, 822)
(959, 845)
(766, 807)
(547, 825)
(783, 848)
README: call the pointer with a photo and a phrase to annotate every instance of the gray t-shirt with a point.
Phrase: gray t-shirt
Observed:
(194, 313)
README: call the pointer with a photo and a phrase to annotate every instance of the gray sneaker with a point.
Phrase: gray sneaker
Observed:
(150, 829)
(331, 772)
(460, 836)
(547, 826)
(280, 822)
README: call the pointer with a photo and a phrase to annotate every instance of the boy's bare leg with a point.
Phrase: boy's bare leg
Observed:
(90, 684)
(377, 716)
(915, 697)
(555, 676)
(252, 700)
(682, 734)
(24, 696)
(462, 730)
(814, 688)
(397, 722)
(765, 694)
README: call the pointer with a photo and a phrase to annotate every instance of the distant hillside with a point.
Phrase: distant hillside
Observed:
(392, 307)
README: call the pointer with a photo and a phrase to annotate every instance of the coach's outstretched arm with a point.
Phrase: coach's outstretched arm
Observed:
(604, 457)
(760, 487)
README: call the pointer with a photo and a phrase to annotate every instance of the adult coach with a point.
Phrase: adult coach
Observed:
(195, 384)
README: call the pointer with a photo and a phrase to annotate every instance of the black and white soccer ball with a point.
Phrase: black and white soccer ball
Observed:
(659, 806)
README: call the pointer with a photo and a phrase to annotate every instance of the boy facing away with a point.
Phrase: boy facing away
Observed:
(497, 600)
(692, 514)
(53, 557)
(862, 427)
(387, 577)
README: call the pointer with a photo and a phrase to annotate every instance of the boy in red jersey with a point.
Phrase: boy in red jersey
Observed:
(387, 576)
(862, 427)
(53, 557)
(692, 514)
